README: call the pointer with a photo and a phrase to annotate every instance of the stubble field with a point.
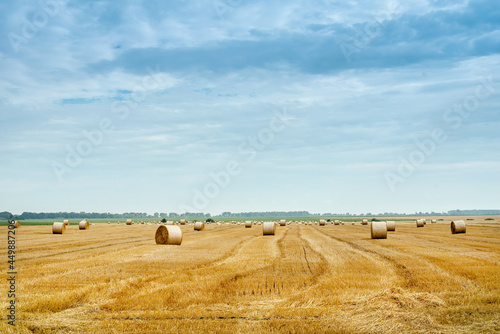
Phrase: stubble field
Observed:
(232, 279)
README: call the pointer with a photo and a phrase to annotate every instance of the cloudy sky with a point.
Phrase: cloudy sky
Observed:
(237, 105)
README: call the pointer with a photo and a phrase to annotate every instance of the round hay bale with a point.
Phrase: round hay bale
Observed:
(58, 228)
(364, 222)
(268, 228)
(169, 222)
(322, 222)
(84, 225)
(420, 222)
(391, 225)
(248, 224)
(129, 222)
(282, 222)
(183, 221)
(379, 230)
(199, 226)
(336, 222)
(66, 222)
(168, 235)
(457, 226)
(17, 224)
(433, 221)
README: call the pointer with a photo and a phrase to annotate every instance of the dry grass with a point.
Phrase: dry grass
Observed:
(228, 279)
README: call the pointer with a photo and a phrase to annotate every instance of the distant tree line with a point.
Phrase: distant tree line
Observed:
(71, 215)
(5, 215)
(265, 214)
(473, 212)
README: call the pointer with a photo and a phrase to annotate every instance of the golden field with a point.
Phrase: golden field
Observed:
(113, 278)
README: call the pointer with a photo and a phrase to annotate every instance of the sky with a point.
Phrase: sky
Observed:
(237, 105)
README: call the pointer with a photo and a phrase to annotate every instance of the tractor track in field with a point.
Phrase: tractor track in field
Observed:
(245, 274)
(275, 269)
(281, 243)
(135, 240)
(40, 247)
(404, 272)
(303, 244)
(78, 243)
(194, 269)
(323, 262)
(437, 244)
(232, 252)
(214, 263)
(307, 261)
(467, 240)
(74, 244)
(200, 269)
(410, 280)
(314, 273)
(84, 249)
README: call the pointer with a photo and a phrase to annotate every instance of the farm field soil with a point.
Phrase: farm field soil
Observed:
(113, 278)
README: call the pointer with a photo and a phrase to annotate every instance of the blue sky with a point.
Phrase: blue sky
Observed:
(235, 105)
